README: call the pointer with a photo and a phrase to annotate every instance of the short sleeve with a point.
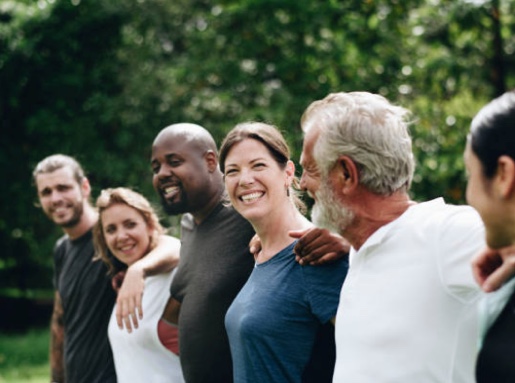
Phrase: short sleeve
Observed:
(461, 236)
(323, 285)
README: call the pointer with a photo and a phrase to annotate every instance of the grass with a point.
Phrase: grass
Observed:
(24, 357)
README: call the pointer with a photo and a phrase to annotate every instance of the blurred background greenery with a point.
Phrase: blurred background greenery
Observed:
(24, 357)
(98, 79)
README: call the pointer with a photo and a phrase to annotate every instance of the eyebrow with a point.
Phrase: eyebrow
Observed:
(251, 161)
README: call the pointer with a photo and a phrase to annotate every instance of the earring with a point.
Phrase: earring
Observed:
(287, 191)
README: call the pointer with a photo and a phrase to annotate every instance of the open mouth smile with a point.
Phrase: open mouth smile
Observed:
(251, 197)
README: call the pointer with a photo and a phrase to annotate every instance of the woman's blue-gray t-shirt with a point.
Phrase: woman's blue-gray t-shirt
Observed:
(273, 322)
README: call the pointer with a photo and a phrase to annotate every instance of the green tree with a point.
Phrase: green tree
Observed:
(98, 80)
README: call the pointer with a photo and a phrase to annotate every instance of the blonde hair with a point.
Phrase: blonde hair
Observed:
(123, 196)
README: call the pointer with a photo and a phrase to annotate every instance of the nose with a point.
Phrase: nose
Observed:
(55, 197)
(246, 178)
(302, 182)
(121, 234)
(164, 171)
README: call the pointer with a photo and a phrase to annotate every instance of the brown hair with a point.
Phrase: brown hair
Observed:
(272, 139)
(58, 161)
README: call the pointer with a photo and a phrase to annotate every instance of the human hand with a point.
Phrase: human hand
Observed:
(492, 268)
(317, 246)
(255, 245)
(117, 280)
(128, 302)
(171, 311)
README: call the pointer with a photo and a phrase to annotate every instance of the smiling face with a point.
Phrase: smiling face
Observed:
(181, 176)
(61, 197)
(126, 233)
(254, 181)
(327, 211)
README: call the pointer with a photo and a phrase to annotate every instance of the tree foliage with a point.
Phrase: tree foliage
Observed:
(98, 80)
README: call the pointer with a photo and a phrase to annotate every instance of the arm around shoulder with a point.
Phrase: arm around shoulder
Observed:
(318, 246)
(162, 259)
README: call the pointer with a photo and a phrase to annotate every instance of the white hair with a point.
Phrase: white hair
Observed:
(371, 131)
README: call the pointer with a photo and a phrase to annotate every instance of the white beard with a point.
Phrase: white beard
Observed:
(328, 212)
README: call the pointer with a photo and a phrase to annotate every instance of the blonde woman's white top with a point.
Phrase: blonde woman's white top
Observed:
(140, 356)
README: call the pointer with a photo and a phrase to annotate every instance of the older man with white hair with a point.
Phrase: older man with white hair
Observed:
(407, 309)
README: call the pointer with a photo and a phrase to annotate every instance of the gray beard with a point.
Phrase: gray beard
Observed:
(328, 212)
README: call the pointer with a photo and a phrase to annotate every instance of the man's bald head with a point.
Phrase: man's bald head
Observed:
(193, 135)
(185, 165)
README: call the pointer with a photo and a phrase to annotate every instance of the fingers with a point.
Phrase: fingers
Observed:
(255, 245)
(326, 258)
(308, 241)
(119, 317)
(317, 246)
(129, 303)
(497, 278)
(129, 312)
(127, 315)
(492, 268)
(297, 233)
(484, 264)
(138, 308)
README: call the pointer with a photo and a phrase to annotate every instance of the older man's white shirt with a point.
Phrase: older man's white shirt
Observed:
(408, 307)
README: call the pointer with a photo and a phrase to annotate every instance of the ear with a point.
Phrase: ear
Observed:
(290, 172)
(504, 179)
(85, 187)
(153, 235)
(211, 160)
(347, 174)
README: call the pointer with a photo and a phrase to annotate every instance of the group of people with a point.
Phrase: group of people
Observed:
(376, 288)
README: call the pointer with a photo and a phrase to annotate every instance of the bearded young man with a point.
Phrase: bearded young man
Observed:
(84, 296)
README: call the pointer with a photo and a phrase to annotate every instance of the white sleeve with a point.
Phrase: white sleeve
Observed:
(461, 236)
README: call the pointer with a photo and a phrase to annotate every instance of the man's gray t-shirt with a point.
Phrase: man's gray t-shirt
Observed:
(87, 299)
(215, 264)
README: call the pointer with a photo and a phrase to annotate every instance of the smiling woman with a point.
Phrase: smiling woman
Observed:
(127, 230)
(127, 226)
(273, 322)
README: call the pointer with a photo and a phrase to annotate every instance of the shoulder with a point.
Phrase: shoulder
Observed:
(333, 272)
(61, 242)
(187, 222)
(60, 246)
(437, 214)
(229, 222)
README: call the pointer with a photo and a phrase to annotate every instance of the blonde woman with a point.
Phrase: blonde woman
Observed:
(127, 230)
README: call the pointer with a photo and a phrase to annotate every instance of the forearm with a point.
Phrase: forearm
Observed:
(57, 369)
(163, 258)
